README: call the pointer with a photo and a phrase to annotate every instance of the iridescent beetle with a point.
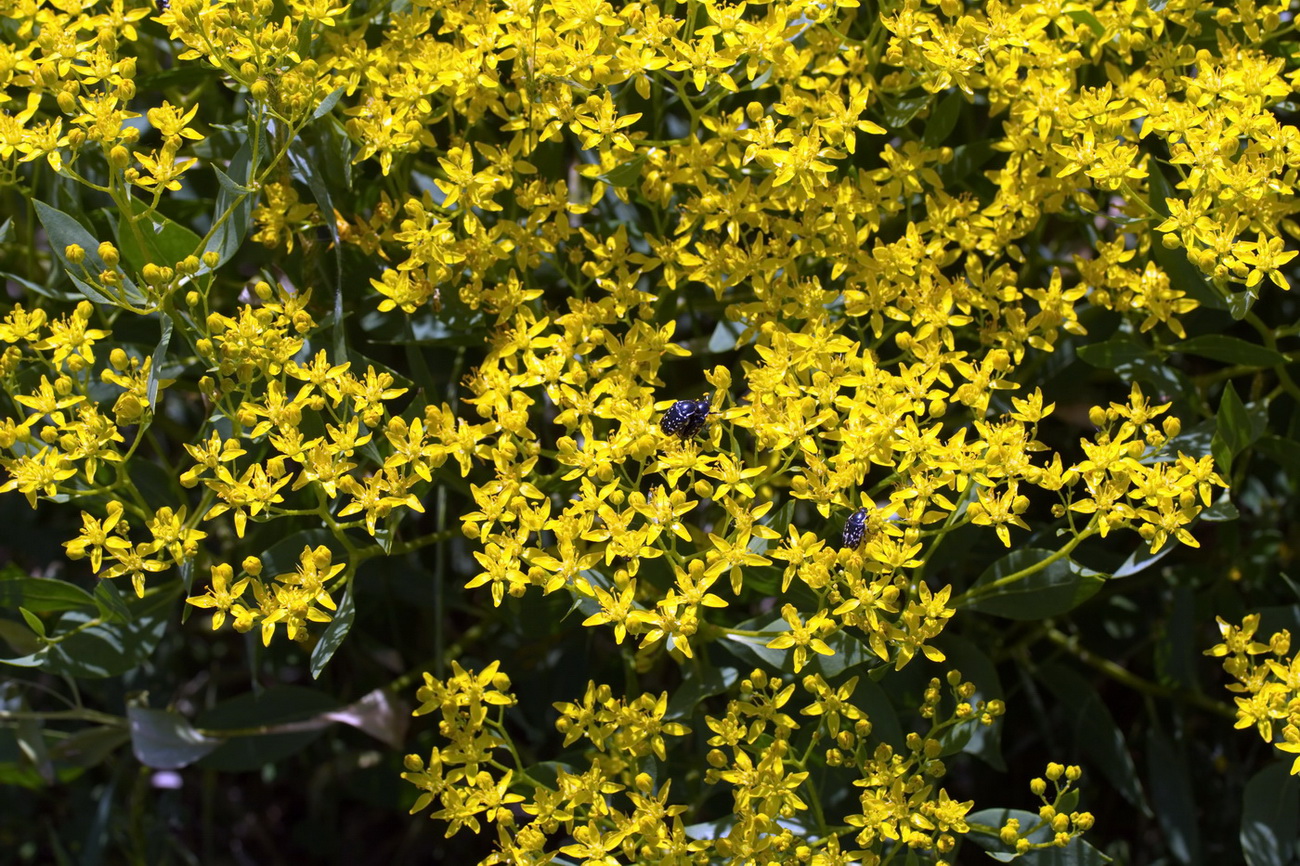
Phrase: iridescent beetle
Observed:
(685, 418)
(854, 528)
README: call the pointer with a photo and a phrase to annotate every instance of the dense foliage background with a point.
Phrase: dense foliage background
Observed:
(346, 352)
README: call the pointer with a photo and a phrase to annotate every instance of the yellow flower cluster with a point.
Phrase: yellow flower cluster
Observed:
(780, 170)
(1268, 687)
(757, 749)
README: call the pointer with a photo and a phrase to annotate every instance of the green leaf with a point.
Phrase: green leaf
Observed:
(699, 682)
(898, 113)
(754, 649)
(159, 358)
(1056, 588)
(110, 602)
(21, 640)
(1282, 452)
(1221, 511)
(165, 242)
(1088, 20)
(1141, 559)
(1133, 361)
(1230, 350)
(625, 174)
(967, 159)
(1236, 428)
(943, 119)
(63, 231)
(1077, 853)
(275, 707)
(108, 649)
(165, 740)
(1171, 796)
(40, 595)
(1094, 730)
(983, 741)
(233, 214)
(312, 172)
(327, 104)
(34, 622)
(1239, 303)
(1269, 817)
(335, 632)
(1113, 353)
(89, 747)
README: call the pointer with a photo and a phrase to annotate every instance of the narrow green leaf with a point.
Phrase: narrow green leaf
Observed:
(1230, 350)
(233, 214)
(34, 622)
(1239, 303)
(327, 104)
(334, 634)
(898, 113)
(19, 638)
(1236, 428)
(625, 174)
(159, 357)
(983, 741)
(90, 746)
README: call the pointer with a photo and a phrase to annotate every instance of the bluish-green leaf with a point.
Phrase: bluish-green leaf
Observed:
(327, 104)
(165, 740)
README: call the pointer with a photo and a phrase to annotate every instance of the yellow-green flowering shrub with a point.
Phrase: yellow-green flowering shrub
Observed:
(748, 421)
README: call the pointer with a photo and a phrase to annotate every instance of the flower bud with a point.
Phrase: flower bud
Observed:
(119, 157)
(74, 254)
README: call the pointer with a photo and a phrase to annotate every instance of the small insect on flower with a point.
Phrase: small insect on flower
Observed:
(854, 528)
(685, 418)
(164, 5)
